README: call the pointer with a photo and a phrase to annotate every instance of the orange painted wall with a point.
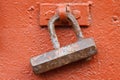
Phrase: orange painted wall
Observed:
(21, 37)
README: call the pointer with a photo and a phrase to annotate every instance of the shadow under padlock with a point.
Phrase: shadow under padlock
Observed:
(83, 48)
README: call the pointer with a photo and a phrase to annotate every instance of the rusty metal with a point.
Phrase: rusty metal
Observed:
(53, 35)
(81, 49)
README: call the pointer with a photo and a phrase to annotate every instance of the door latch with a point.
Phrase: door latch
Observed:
(81, 49)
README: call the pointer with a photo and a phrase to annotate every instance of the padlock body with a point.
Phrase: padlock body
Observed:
(56, 58)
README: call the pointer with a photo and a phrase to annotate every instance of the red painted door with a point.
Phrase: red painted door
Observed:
(21, 37)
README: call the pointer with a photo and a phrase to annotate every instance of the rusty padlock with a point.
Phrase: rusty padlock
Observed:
(83, 48)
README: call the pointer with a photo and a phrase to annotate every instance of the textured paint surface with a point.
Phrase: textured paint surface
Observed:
(21, 37)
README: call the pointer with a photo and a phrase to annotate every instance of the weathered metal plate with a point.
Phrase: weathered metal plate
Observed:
(81, 11)
(64, 55)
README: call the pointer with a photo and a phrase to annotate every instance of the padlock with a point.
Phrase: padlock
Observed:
(83, 48)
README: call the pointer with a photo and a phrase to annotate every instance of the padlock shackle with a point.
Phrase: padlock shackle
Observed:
(52, 32)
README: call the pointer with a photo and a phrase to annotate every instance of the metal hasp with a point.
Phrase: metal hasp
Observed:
(81, 11)
(83, 48)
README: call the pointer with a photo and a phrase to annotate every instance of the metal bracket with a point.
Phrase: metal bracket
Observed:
(81, 11)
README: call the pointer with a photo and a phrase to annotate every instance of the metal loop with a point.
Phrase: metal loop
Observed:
(52, 32)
